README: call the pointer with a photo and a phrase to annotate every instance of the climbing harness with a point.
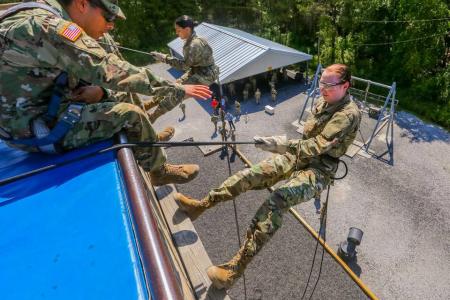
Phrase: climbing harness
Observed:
(46, 139)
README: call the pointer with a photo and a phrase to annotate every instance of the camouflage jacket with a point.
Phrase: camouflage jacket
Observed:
(327, 133)
(35, 48)
(197, 57)
(107, 42)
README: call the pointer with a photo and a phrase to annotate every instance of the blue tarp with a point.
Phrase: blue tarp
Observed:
(66, 233)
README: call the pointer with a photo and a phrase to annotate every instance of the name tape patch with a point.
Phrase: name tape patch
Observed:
(71, 32)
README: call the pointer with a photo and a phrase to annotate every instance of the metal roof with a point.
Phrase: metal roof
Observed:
(240, 54)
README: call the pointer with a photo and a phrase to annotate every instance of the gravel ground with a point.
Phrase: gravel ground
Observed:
(403, 209)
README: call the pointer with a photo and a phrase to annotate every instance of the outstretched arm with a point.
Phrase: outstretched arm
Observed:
(335, 130)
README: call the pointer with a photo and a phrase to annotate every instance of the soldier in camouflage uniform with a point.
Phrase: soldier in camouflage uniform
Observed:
(38, 44)
(274, 94)
(257, 96)
(198, 62)
(237, 109)
(215, 120)
(309, 164)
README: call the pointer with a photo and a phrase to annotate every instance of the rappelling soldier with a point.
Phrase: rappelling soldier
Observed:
(308, 165)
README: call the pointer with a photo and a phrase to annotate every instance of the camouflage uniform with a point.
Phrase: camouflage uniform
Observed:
(274, 94)
(34, 51)
(198, 62)
(215, 120)
(257, 96)
(233, 139)
(237, 108)
(107, 42)
(285, 74)
(308, 165)
(274, 77)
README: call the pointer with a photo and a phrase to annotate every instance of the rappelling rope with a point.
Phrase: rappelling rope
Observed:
(109, 149)
(323, 222)
(225, 148)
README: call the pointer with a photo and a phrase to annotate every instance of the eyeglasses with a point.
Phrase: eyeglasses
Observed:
(329, 85)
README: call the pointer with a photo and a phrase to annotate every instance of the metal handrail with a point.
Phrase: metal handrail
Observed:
(160, 275)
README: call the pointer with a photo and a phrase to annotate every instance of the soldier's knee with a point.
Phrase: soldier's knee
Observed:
(268, 218)
(128, 108)
(277, 201)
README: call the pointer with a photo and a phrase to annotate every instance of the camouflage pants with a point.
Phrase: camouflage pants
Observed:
(302, 185)
(190, 78)
(101, 121)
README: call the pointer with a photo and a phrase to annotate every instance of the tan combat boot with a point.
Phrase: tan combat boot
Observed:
(173, 174)
(192, 207)
(166, 134)
(225, 275)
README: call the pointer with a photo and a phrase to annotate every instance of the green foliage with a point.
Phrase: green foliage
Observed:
(415, 54)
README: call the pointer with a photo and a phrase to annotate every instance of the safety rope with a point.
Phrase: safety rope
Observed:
(112, 148)
(323, 219)
(322, 226)
(225, 149)
(125, 48)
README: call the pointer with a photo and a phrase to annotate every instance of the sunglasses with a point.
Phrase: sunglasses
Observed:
(109, 17)
(326, 85)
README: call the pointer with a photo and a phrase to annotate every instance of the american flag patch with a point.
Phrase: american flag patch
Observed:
(71, 32)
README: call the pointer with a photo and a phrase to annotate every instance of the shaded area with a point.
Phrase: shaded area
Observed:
(418, 131)
(281, 269)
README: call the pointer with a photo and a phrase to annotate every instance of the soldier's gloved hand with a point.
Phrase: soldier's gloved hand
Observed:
(274, 144)
(159, 56)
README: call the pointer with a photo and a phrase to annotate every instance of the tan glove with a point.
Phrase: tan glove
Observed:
(275, 144)
(159, 56)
